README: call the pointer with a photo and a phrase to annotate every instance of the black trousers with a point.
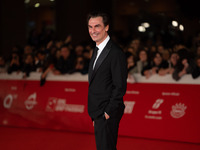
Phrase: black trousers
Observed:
(106, 131)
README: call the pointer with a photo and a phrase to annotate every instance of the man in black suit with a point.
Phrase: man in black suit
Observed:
(107, 83)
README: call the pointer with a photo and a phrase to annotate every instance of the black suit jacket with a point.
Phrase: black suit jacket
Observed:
(107, 83)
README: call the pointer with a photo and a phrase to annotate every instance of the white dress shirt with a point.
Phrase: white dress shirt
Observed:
(101, 47)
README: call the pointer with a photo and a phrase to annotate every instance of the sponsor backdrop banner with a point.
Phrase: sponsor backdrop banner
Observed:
(153, 110)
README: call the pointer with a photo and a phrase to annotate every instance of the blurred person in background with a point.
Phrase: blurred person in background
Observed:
(58, 62)
(196, 70)
(131, 50)
(152, 51)
(184, 65)
(51, 51)
(172, 63)
(166, 54)
(80, 66)
(28, 49)
(59, 43)
(40, 61)
(89, 48)
(65, 63)
(79, 50)
(3, 65)
(160, 48)
(87, 57)
(178, 46)
(141, 63)
(51, 61)
(14, 63)
(68, 41)
(154, 68)
(28, 65)
(130, 66)
(130, 61)
(135, 45)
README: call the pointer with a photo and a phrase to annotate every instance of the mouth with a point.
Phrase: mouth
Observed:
(94, 35)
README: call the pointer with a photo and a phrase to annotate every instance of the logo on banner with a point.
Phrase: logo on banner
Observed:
(60, 105)
(7, 103)
(31, 101)
(157, 104)
(129, 105)
(155, 113)
(178, 110)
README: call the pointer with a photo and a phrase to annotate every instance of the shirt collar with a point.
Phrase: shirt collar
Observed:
(103, 44)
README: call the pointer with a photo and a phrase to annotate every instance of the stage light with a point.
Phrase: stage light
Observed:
(145, 24)
(181, 27)
(37, 5)
(141, 29)
(51, 0)
(174, 23)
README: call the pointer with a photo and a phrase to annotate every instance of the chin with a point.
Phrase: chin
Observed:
(95, 40)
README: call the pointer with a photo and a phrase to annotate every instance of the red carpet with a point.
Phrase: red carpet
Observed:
(37, 139)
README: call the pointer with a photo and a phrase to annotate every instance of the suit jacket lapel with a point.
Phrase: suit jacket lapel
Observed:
(91, 66)
(101, 58)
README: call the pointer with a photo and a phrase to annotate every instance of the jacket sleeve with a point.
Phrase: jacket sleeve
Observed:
(119, 81)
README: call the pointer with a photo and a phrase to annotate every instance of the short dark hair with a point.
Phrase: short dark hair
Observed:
(105, 16)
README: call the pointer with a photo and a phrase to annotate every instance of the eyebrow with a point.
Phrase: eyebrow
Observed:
(97, 25)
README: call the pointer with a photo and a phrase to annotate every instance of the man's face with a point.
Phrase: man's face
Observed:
(97, 30)
(157, 59)
(143, 56)
(65, 52)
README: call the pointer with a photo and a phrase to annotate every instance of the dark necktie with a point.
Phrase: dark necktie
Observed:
(94, 56)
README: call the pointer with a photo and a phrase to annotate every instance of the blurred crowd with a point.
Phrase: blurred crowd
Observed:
(45, 54)
(176, 61)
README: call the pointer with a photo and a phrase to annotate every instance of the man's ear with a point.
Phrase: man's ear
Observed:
(107, 28)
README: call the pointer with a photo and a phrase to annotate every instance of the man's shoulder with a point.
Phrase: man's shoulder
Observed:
(115, 47)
